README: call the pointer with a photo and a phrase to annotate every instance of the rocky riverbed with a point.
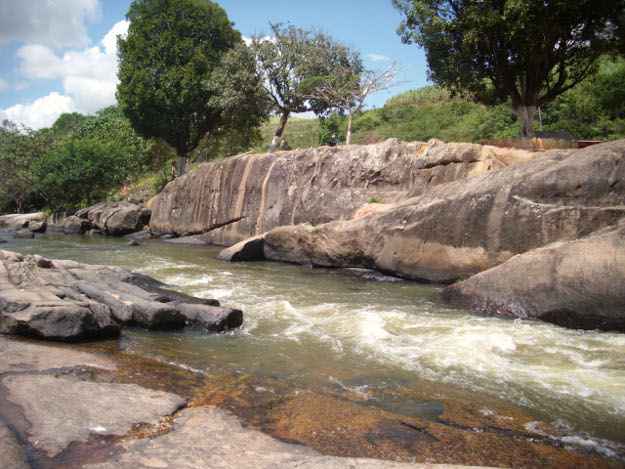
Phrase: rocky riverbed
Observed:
(71, 408)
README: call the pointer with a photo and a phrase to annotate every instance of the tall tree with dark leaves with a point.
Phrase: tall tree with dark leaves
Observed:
(172, 48)
(525, 51)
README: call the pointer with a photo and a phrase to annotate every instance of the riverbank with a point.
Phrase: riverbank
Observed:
(392, 353)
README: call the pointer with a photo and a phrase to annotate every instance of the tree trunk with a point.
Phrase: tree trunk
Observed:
(526, 115)
(277, 138)
(348, 137)
(181, 165)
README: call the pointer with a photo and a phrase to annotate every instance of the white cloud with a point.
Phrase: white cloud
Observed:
(3, 85)
(54, 23)
(88, 76)
(378, 58)
(40, 113)
(89, 79)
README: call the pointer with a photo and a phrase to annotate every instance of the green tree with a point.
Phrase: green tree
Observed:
(20, 147)
(290, 62)
(172, 47)
(525, 51)
(97, 157)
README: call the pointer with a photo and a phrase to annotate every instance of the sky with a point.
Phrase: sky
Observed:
(60, 56)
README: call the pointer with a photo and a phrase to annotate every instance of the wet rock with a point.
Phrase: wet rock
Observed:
(68, 301)
(62, 410)
(187, 447)
(21, 220)
(140, 236)
(577, 284)
(245, 251)
(116, 218)
(75, 226)
(371, 275)
(134, 243)
(245, 196)
(24, 233)
(38, 226)
(212, 318)
(22, 356)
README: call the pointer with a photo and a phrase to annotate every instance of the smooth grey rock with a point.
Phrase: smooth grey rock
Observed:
(62, 410)
(134, 243)
(209, 438)
(69, 301)
(116, 218)
(212, 318)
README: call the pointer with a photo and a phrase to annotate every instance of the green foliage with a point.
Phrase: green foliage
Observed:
(595, 109)
(98, 157)
(292, 66)
(80, 172)
(19, 149)
(172, 48)
(331, 129)
(489, 48)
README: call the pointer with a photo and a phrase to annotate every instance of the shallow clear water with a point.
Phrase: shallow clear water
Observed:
(323, 328)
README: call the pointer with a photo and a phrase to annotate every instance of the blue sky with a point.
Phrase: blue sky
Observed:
(59, 55)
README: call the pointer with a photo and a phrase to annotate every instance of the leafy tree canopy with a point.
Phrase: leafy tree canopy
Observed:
(292, 62)
(528, 51)
(172, 47)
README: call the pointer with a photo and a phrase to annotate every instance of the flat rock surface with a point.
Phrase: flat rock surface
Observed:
(11, 453)
(25, 356)
(208, 438)
(62, 410)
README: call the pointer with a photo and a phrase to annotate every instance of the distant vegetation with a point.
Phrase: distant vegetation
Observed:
(191, 89)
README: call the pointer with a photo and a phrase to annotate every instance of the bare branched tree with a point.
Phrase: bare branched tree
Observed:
(347, 92)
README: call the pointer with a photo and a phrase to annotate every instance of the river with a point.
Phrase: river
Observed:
(322, 329)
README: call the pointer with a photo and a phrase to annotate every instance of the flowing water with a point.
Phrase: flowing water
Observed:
(316, 328)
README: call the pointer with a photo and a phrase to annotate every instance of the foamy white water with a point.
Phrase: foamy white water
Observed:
(321, 327)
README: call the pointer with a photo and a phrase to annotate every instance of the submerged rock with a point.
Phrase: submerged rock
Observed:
(116, 218)
(68, 301)
(24, 233)
(578, 284)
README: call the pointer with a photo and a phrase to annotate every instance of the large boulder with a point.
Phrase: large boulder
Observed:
(38, 226)
(75, 226)
(116, 218)
(69, 301)
(459, 229)
(21, 220)
(244, 196)
(578, 284)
